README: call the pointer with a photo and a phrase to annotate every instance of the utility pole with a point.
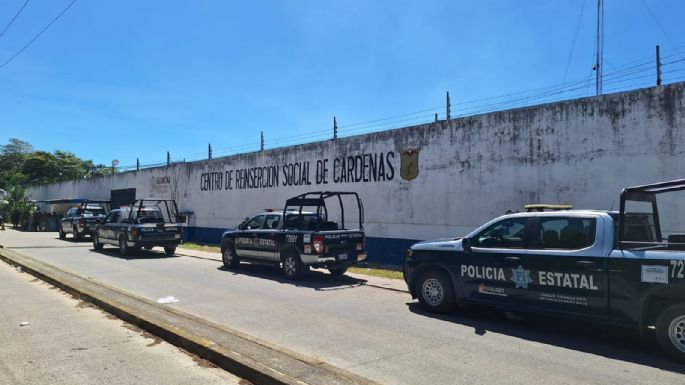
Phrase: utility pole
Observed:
(168, 158)
(209, 151)
(335, 129)
(137, 164)
(436, 117)
(261, 146)
(658, 66)
(600, 47)
(448, 106)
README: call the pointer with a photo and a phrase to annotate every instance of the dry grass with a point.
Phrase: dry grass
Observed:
(385, 272)
(376, 271)
(200, 247)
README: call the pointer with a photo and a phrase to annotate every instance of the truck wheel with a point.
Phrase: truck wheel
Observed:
(169, 250)
(435, 292)
(338, 270)
(61, 233)
(123, 246)
(292, 266)
(670, 331)
(77, 236)
(228, 255)
(96, 242)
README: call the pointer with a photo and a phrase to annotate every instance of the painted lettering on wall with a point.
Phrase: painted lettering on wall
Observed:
(373, 167)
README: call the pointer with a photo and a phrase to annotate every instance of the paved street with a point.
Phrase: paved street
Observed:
(69, 342)
(376, 333)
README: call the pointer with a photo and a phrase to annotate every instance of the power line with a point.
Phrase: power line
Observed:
(38, 34)
(660, 26)
(14, 18)
(573, 44)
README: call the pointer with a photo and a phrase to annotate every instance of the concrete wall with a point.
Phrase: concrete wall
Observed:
(469, 169)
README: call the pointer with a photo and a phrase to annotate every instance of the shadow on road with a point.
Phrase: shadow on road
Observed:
(134, 254)
(316, 280)
(618, 344)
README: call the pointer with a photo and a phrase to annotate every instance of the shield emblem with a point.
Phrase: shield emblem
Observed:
(409, 163)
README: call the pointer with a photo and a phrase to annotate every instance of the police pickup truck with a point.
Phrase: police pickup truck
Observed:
(145, 224)
(307, 232)
(625, 268)
(81, 219)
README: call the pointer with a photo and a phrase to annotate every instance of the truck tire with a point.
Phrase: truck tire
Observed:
(228, 255)
(77, 236)
(62, 235)
(123, 246)
(337, 270)
(169, 250)
(292, 265)
(435, 292)
(670, 331)
(96, 242)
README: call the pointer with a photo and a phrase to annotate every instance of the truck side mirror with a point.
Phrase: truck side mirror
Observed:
(466, 245)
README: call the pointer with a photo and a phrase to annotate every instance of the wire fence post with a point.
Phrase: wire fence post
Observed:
(209, 151)
(448, 105)
(658, 66)
(168, 158)
(335, 129)
(261, 145)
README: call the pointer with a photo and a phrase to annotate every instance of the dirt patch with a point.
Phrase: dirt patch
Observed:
(84, 305)
(155, 340)
(201, 362)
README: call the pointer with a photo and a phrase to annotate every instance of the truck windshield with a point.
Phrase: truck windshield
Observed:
(149, 214)
(93, 211)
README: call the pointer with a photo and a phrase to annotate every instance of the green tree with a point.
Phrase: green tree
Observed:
(12, 157)
(41, 167)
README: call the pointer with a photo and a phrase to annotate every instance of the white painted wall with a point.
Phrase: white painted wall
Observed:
(470, 169)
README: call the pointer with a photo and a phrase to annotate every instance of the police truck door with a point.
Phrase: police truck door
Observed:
(567, 266)
(485, 274)
(247, 243)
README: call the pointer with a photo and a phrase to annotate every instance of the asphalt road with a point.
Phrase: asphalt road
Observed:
(69, 342)
(376, 333)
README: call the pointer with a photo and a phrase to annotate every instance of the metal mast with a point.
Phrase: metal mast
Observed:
(600, 46)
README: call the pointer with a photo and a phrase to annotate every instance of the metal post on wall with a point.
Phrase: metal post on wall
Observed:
(448, 105)
(209, 151)
(335, 129)
(261, 145)
(137, 164)
(658, 66)
(168, 158)
(436, 117)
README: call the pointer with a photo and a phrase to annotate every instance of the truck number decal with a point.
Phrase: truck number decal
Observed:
(678, 270)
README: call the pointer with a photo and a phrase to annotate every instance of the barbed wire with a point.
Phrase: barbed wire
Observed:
(633, 72)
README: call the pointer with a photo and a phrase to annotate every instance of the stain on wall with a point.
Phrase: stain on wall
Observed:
(470, 169)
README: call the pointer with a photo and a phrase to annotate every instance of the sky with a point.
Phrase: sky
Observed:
(131, 80)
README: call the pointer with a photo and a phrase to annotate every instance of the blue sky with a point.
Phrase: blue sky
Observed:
(132, 79)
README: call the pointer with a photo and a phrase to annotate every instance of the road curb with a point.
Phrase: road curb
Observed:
(257, 361)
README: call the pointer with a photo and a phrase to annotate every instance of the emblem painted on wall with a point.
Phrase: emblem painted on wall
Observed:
(409, 163)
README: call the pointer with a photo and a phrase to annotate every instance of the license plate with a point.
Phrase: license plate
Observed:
(342, 256)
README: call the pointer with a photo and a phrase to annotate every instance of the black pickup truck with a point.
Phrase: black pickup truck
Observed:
(307, 232)
(624, 269)
(145, 224)
(81, 219)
